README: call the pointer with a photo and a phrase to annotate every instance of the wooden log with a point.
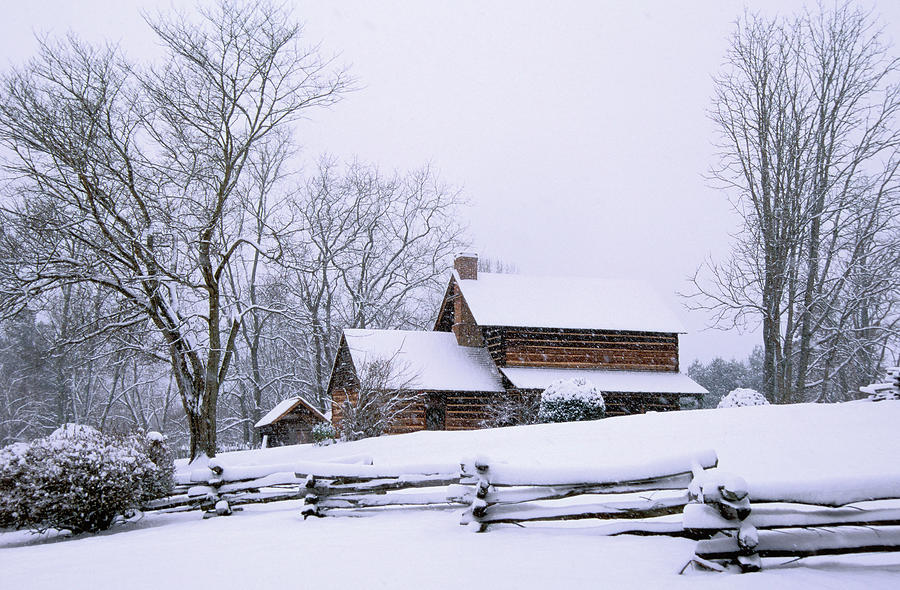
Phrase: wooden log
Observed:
(749, 563)
(624, 474)
(499, 513)
(260, 497)
(353, 474)
(748, 538)
(284, 478)
(703, 518)
(169, 502)
(201, 491)
(391, 499)
(513, 495)
(325, 487)
(473, 515)
(807, 542)
(734, 511)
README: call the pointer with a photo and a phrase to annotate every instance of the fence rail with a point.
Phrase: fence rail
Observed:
(735, 525)
(510, 494)
(738, 527)
(333, 492)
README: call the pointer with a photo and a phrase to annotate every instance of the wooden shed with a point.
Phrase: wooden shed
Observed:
(290, 422)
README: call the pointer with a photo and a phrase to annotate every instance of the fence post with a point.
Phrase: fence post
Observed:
(311, 500)
(730, 497)
(479, 506)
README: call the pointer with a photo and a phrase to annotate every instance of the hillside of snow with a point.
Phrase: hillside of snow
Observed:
(814, 443)
(271, 546)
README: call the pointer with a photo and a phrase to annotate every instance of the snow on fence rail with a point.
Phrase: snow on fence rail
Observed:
(512, 494)
(329, 491)
(218, 485)
(739, 524)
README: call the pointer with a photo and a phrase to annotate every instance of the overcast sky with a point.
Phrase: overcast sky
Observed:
(577, 130)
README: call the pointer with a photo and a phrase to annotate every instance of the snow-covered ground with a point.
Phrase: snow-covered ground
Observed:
(270, 546)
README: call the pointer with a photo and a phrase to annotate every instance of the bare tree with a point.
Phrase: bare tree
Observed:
(807, 111)
(512, 408)
(372, 252)
(496, 265)
(142, 170)
(383, 396)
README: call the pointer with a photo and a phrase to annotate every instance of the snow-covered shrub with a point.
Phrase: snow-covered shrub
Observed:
(159, 481)
(12, 466)
(76, 479)
(323, 433)
(743, 397)
(569, 400)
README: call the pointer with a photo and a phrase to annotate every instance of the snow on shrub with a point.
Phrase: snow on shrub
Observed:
(570, 400)
(743, 397)
(160, 480)
(323, 433)
(79, 479)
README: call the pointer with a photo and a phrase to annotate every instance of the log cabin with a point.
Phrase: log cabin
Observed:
(290, 422)
(514, 335)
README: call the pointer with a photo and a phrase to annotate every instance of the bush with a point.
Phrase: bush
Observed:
(78, 479)
(323, 432)
(743, 397)
(570, 400)
(159, 481)
(511, 409)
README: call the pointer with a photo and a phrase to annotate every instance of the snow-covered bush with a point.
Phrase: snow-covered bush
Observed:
(743, 397)
(569, 400)
(77, 479)
(160, 480)
(323, 433)
(12, 466)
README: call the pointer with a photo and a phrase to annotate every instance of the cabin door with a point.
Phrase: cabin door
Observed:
(435, 412)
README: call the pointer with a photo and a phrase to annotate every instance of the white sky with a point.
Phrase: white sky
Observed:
(577, 130)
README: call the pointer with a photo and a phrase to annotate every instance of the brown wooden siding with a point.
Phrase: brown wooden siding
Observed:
(621, 404)
(582, 349)
(463, 410)
(291, 429)
(495, 344)
(467, 411)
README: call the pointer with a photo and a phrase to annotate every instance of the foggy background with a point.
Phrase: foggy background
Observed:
(576, 130)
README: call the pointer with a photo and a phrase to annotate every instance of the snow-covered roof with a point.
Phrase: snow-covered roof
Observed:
(607, 380)
(567, 302)
(426, 360)
(286, 406)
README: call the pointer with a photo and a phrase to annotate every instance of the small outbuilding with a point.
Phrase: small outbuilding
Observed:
(290, 423)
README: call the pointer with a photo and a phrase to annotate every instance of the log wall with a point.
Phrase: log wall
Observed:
(582, 349)
(622, 404)
(466, 411)
(411, 420)
(463, 410)
(292, 429)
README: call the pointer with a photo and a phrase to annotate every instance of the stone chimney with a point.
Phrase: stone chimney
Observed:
(467, 332)
(467, 266)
